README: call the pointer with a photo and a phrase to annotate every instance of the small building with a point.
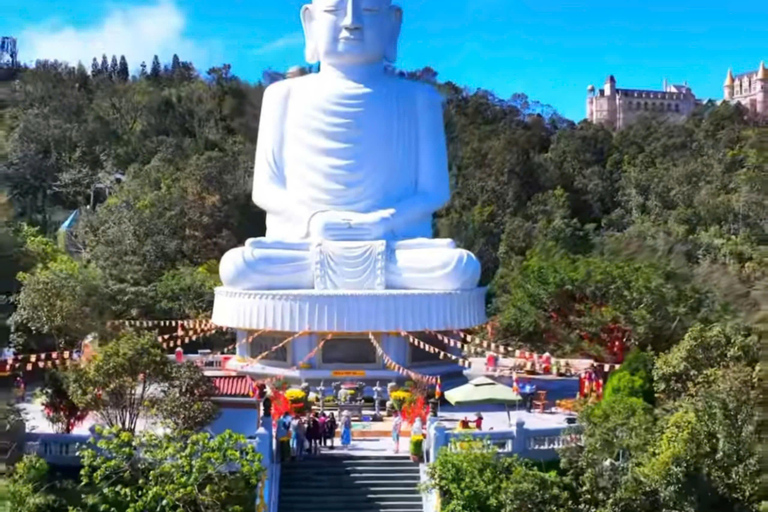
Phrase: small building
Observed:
(618, 108)
(749, 89)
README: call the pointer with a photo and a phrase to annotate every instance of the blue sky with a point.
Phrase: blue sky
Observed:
(548, 49)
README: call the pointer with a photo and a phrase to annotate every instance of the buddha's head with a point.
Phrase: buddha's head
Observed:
(351, 31)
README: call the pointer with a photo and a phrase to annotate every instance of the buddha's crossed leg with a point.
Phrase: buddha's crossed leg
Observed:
(420, 264)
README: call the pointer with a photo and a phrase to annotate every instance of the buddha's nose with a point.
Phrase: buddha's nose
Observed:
(353, 17)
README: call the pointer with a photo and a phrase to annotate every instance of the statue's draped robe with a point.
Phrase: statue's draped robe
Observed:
(347, 146)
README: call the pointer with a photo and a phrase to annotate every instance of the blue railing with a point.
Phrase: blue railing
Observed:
(56, 449)
(538, 444)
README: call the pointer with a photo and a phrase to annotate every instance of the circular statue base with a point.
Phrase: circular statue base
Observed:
(349, 310)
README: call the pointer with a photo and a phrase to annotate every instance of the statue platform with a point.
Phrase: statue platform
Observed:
(349, 311)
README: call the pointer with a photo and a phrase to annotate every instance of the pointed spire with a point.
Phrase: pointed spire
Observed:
(729, 79)
(762, 73)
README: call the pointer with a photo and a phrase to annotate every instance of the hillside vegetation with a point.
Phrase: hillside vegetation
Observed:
(652, 238)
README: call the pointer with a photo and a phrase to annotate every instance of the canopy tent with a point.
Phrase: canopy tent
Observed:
(482, 390)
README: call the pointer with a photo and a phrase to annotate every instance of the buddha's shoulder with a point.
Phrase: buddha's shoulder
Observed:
(279, 90)
(413, 87)
(284, 89)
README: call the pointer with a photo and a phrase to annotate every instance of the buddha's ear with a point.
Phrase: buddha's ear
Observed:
(395, 22)
(310, 48)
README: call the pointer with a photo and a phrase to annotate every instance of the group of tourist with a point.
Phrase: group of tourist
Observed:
(477, 423)
(298, 434)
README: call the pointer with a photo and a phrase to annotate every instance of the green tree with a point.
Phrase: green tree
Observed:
(175, 64)
(616, 432)
(104, 68)
(187, 292)
(200, 473)
(634, 378)
(478, 480)
(59, 407)
(123, 73)
(156, 69)
(114, 68)
(703, 352)
(119, 383)
(63, 300)
(185, 401)
(95, 70)
(557, 301)
(29, 489)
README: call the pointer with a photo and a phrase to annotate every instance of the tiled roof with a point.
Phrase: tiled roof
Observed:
(233, 386)
(650, 94)
(746, 74)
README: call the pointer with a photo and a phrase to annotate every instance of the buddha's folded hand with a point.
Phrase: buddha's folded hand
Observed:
(339, 226)
(378, 223)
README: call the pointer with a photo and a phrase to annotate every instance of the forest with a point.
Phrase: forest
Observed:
(655, 235)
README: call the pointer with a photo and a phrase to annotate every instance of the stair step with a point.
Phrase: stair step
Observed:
(308, 475)
(327, 482)
(353, 503)
(353, 491)
(365, 508)
(392, 481)
(348, 463)
(351, 484)
(351, 469)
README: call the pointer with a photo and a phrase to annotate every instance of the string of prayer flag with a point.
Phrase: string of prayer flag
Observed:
(396, 367)
(413, 340)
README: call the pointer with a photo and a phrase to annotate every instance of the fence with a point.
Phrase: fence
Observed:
(56, 449)
(538, 444)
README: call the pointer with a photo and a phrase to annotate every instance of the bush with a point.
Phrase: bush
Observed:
(634, 378)
(399, 399)
(295, 395)
(417, 446)
(478, 480)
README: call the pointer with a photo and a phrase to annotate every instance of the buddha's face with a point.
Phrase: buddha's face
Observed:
(351, 31)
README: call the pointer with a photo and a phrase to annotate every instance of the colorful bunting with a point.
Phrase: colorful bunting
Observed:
(396, 367)
(434, 350)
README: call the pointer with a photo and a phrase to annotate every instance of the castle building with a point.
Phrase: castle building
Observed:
(618, 108)
(750, 89)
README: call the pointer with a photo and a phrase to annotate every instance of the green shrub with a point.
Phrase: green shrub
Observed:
(417, 446)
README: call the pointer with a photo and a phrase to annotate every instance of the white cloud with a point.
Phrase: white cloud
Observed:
(138, 32)
(294, 40)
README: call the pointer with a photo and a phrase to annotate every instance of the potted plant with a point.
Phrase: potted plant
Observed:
(298, 400)
(417, 448)
(399, 398)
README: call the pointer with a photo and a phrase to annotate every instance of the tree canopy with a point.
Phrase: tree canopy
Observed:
(653, 236)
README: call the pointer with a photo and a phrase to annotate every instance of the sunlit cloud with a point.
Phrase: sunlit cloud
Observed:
(138, 32)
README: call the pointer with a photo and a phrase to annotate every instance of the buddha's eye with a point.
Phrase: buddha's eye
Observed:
(371, 10)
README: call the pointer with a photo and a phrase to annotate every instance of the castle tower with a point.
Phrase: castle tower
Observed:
(762, 89)
(728, 86)
(591, 103)
(611, 100)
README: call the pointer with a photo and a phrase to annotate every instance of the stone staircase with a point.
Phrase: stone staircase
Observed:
(350, 483)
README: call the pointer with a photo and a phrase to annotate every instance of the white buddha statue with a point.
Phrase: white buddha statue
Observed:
(351, 163)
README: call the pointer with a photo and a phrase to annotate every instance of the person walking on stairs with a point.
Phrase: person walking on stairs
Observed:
(346, 429)
(397, 425)
(322, 420)
(283, 435)
(313, 433)
(297, 437)
(330, 429)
